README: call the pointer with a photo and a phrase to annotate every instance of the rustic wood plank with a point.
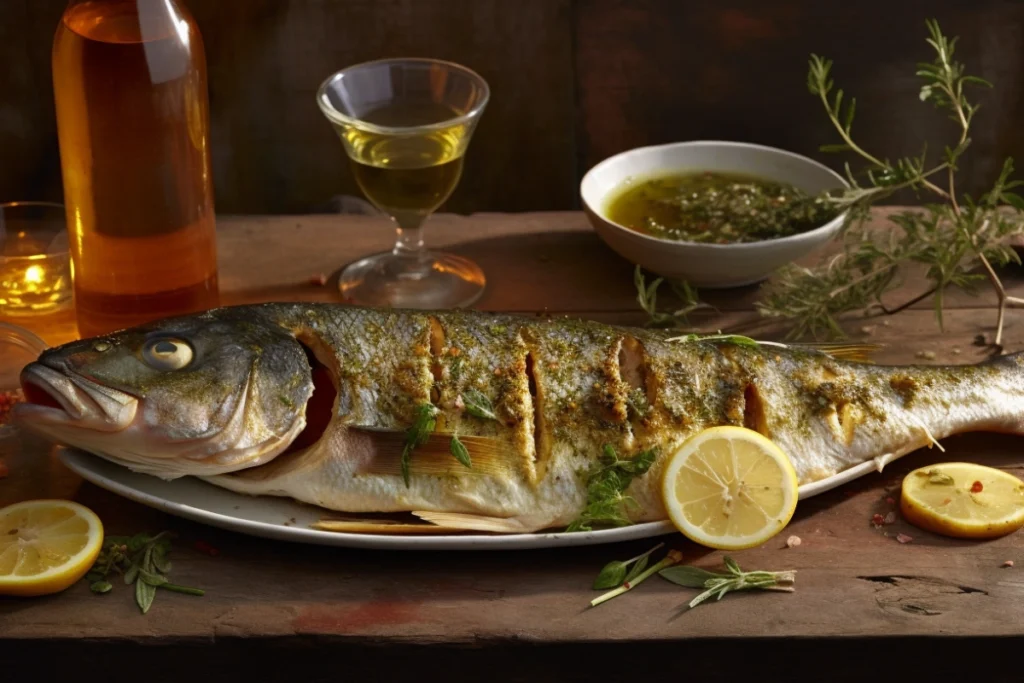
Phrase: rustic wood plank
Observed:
(525, 612)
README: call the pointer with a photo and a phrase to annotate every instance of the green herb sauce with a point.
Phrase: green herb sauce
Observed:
(718, 208)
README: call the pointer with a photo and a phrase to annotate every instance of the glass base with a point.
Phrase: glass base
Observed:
(431, 280)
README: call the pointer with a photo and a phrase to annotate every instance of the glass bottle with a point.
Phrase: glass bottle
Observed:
(132, 118)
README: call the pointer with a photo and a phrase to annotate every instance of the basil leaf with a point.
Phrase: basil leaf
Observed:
(611, 576)
(144, 594)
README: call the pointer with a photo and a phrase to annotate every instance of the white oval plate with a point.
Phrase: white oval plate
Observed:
(284, 519)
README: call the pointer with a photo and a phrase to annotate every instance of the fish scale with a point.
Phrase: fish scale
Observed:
(560, 389)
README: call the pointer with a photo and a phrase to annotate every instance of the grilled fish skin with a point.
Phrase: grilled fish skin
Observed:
(312, 401)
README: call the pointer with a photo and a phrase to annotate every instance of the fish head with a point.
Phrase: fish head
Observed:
(200, 395)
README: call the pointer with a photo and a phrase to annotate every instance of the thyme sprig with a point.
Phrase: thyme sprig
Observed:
(142, 560)
(950, 237)
(734, 580)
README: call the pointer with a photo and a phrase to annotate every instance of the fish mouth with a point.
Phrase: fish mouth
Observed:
(64, 399)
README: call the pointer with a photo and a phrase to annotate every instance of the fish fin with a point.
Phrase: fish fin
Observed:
(860, 352)
(489, 457)
(358, 526)
(500, 525)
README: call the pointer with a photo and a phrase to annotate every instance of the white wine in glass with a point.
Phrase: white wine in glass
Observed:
(405, 125)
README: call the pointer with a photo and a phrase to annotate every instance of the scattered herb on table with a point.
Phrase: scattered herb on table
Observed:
(717, 585)
(621, 578)
(142, 560)
(647, 297)
(606, 489)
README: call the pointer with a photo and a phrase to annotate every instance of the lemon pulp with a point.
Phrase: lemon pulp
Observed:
(46, 545)
(729, 488)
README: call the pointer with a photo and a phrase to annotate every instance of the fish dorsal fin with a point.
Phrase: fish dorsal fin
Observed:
(490, 457)
(498, 525)
(852, 351)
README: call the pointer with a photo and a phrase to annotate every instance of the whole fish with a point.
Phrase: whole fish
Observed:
(319, 402)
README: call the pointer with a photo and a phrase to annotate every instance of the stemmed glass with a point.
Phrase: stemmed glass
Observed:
(405, 125)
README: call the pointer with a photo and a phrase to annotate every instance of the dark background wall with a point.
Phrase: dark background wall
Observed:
(573, 81)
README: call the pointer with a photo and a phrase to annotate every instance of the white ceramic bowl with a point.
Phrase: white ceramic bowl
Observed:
(706, 265)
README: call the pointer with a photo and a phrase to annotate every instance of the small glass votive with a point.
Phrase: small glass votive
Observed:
(35, 268)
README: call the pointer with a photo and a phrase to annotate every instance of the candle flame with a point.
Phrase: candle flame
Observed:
(34, 274)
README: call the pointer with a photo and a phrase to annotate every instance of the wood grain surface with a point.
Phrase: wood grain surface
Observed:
(865, 604)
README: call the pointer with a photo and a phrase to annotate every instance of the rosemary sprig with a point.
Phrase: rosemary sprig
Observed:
(950, 238)
(736, 339)
(142, 560)
(634, 577)
(647, 297)
(606, 485)
(718, 585)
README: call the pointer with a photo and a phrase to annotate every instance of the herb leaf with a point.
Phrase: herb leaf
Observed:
(606, 486)
(637, 569)
(718, 585)
(612, 574)
(736, 339)
(422, 427)
(478, 405)
(459, 451)
(144, 594)
(690, 577)
(142, 559)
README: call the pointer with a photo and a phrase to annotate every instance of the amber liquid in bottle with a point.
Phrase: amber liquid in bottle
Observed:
(132, 116)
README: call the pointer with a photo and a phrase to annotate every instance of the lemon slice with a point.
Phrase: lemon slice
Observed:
(963, 500)
(46, 545)
(729, 488)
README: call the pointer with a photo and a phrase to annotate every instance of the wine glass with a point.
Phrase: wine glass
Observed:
(405, 125)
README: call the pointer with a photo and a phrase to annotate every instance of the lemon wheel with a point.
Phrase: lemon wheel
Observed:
(729, 488)
(46, 546)
(963, 500)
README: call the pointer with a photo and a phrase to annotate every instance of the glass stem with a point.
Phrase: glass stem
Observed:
(409, 237)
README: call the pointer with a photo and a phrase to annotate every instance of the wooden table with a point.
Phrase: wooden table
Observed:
(865, 604)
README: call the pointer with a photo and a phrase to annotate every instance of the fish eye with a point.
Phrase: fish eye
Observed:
(167, 354)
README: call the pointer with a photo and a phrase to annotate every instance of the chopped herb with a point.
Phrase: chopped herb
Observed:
(422, 427)
(606, 499)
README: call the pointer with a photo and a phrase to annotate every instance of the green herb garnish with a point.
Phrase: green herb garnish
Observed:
(478, 405)
(618, 572)
(737, 339)
(459, 451)
(142, 560)
(718, 585)
(606, 486)
(422, 427)
(647, 297)
(615, 574)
